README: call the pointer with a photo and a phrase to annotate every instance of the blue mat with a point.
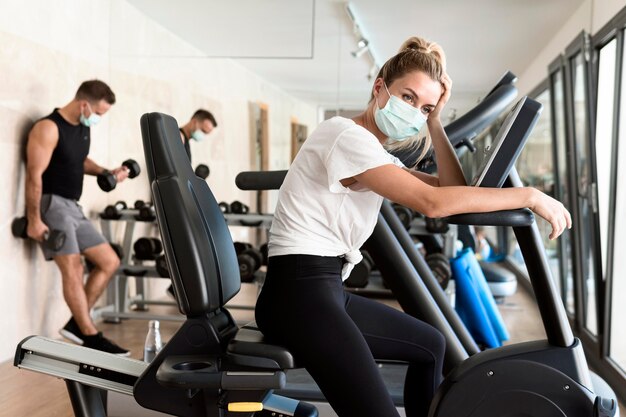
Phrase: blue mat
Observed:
(475, 303)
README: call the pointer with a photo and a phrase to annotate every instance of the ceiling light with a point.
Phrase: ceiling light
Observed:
(360, 51)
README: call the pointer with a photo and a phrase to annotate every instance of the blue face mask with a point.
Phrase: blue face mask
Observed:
(92, 120)
(398, 120)
(198, 135)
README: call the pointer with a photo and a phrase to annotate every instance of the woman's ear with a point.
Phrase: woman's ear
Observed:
(378, 84)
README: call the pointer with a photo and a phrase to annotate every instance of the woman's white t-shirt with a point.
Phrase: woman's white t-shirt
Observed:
(315, 214)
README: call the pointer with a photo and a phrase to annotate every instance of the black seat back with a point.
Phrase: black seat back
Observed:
(197, 243)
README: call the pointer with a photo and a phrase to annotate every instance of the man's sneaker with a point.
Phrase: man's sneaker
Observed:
(72, 332)
(100, 342)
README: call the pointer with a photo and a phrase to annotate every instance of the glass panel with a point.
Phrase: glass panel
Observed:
(604, 132)
(535, 168)
(618, 293)
(584, 224)
(563, 192)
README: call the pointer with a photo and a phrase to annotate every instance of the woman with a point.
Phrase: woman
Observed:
(327, 208)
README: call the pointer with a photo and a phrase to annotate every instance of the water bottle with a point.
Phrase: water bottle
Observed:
(153, 342)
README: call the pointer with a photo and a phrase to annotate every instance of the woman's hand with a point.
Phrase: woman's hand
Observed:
(446, 85)
(553, 211)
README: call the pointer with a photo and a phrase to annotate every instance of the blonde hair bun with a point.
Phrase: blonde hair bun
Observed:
(424, 46)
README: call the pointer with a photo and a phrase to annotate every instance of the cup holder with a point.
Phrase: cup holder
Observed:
(192, 366)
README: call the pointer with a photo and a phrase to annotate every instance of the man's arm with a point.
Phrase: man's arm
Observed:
(91, 168)
(42, 140)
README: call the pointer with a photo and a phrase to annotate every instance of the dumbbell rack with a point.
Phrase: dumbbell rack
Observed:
(258, 220)
(119, 305)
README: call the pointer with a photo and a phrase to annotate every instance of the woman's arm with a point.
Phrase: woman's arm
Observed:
(449, 170)
(401, 187)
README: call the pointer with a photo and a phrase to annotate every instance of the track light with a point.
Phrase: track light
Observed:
(360, 51)
(362, 43)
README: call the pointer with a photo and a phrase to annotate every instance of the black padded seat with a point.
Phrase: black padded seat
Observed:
(249, 341)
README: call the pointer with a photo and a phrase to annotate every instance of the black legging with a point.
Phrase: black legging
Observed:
(336, 335)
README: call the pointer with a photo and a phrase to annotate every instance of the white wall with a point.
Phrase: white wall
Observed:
(48, 48)
(591, 16)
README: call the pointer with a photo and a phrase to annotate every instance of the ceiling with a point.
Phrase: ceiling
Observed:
(304, 46)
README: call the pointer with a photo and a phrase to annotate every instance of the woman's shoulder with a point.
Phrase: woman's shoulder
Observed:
(338, 125)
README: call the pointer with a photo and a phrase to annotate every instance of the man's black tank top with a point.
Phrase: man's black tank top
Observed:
(186, 144)
(64, 175)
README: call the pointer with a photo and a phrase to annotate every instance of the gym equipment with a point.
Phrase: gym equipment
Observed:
(501, 281)
(146, 213)
(224, 207)
(250, 260)
(114, 211)
(53, 239)
(405, 215)
(440, 265)
(241, 246)
(107, 180)
(238, 207)
(147, 248)
(436, 225)
(204, 369)
(139, 204)
(475, 303)
(161, 266)
(202, 171)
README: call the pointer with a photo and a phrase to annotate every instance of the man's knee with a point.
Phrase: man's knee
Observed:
(109, 264)
(104, 259)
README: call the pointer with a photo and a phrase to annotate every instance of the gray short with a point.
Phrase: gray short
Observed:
(67, 215)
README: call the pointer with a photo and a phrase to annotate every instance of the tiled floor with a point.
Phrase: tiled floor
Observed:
(28, 394)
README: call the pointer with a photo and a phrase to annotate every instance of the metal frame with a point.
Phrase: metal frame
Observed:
(614, 29)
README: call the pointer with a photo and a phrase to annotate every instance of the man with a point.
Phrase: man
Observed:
(201, 124)
(57, 160)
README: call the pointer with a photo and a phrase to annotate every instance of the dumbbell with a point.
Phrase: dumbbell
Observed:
(107, 181)
(147, 248)
(405, 215)
(249, 262)
(238, 207)
(139, 204)
(114, 211)
(436, 225)
(202, 171)
(241, 246)
(359, 277)
(440, 265)
(117, 248)
(53, 239)
(146, 213)
(225, 207)
(161, 266)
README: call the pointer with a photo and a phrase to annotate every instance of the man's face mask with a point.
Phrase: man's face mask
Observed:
(92, 120)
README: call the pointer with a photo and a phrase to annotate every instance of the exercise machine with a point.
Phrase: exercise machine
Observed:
(542, 378)
(209, 367)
